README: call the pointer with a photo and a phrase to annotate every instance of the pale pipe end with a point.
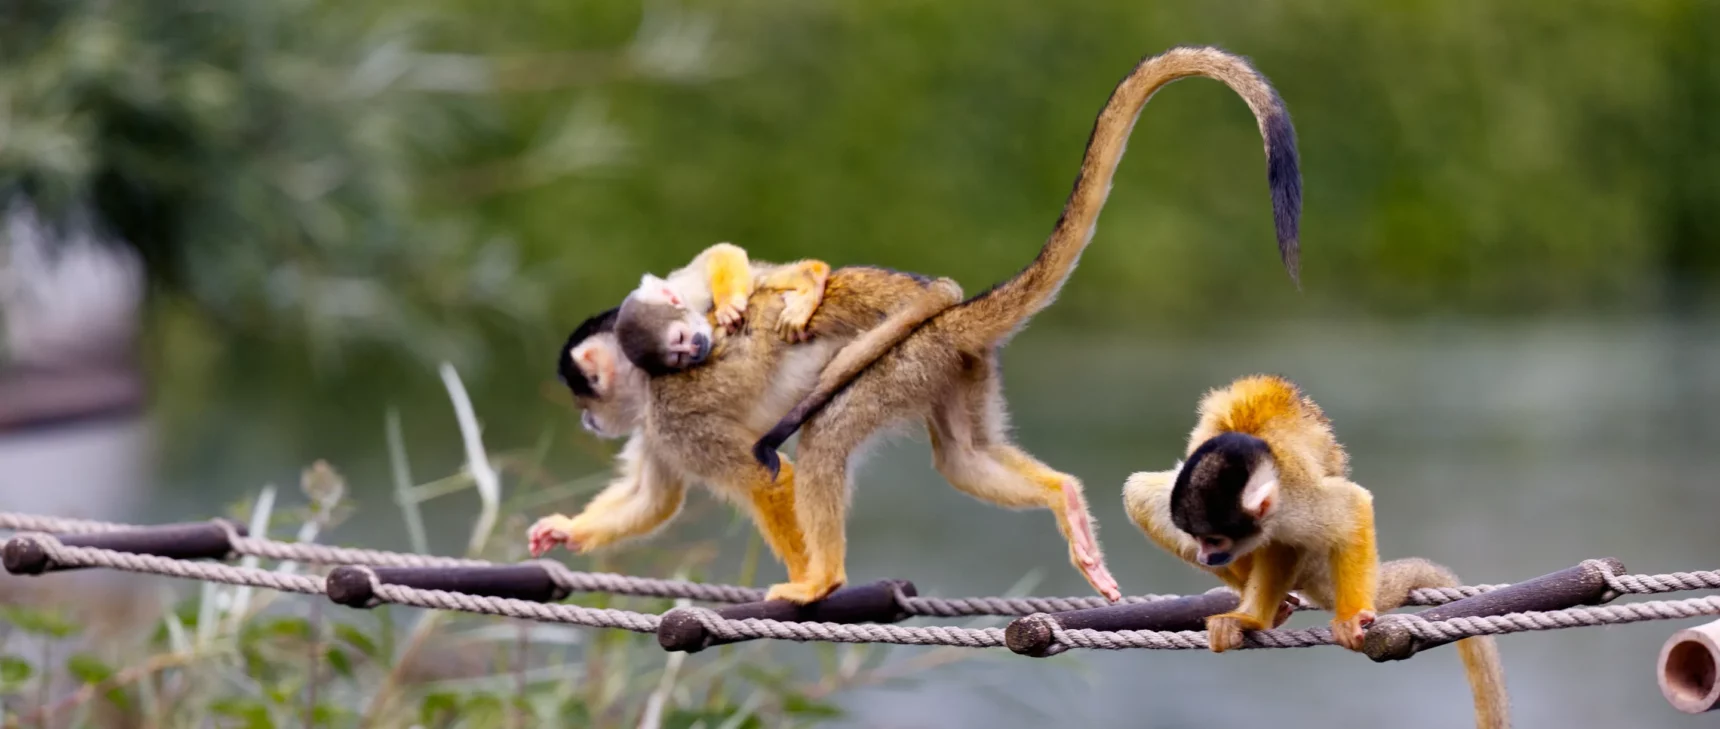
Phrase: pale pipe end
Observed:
(1690, 669)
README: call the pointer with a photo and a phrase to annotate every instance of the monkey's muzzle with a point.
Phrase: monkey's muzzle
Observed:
(701, 349)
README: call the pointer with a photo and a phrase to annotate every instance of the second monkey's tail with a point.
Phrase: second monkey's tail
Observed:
(996, 314)
(1480, 655)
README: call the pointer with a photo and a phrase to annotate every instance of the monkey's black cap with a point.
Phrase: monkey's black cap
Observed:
(564, 369)
(1207, 497)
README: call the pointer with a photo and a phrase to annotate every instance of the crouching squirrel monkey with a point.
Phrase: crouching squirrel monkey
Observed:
(695, 419)
(947, 375)
(1263, 501)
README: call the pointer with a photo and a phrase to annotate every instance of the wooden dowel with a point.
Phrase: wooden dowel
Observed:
(350, 585)
(873, 603)
(1579, 585)
(1033, 635)
(191, 540)
(1689, 669)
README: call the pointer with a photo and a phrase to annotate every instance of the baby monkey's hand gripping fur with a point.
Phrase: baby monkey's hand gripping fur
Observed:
(947, 374)
(1264, 502)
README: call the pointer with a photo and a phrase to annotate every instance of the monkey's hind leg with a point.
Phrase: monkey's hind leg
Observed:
(995, 471)
(803, 283)
(772, 506)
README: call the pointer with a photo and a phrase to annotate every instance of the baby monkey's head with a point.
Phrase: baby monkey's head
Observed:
(1223, 494)
(658, 333)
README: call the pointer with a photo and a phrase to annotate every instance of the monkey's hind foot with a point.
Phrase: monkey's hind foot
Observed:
(549, 532)
(797, 311)
(1084, 546)
(801, 593)
(1224, 632)
(1350, 632)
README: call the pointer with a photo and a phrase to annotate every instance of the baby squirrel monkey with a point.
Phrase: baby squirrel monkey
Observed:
(1264, 502)
(664, 325)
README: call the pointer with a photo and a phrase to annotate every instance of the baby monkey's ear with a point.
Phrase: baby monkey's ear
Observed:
(654, 288)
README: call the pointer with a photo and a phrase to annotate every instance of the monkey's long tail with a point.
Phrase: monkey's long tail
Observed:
(1486, 681)
(994, 315)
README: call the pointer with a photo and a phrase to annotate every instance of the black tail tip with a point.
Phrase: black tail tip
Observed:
(764, 452)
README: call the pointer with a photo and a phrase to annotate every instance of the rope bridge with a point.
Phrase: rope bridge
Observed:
(1044, 626)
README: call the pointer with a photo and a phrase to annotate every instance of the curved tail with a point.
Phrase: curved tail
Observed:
(1480, 654)
(1486, 681)
(992, 316)
(853, 359)
(999, 312)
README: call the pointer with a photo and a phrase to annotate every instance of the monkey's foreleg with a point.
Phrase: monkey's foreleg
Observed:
(634, 504)
(1267, 572)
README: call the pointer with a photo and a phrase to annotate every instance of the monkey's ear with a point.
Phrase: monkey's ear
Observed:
(597, 364)
(1261, 492)
(659, 288)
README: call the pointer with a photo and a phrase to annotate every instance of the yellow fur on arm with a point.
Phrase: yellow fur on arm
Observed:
(636, 503)
(1268, 580)
(729, 273)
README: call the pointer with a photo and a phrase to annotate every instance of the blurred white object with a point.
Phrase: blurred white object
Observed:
(73, 441)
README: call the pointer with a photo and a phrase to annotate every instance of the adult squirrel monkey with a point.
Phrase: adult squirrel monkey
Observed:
(946, 374)
(691, 399)
(1263, 501)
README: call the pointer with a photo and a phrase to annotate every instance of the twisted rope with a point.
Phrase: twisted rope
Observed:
(64, 556)
(754, 628)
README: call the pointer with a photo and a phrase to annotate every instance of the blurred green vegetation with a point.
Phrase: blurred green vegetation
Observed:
(333, 197)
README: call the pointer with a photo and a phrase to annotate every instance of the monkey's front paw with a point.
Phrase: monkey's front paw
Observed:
(729, 313)
(549, 532)
(1224, 632)
(1350, 632)
(801, 593)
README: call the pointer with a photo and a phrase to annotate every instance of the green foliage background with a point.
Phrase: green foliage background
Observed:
(333, 197)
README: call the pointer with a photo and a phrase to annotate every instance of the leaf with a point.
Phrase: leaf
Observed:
(38, 622)
(437, 708)
(358, 640)
(250, 711)
(88, 668)
(15, 670)
(299, 628)
(337, 660)
(688, 718)
(798, 705)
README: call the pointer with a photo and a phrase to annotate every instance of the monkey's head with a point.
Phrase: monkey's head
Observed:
(1224, 494)
(658, 333)
(609, 390)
